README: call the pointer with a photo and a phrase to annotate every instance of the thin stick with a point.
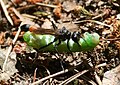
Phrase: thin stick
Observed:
(32, 17)
(79, 74)
(73, 77)
(10, 48)
(6, 12)
(34, 77)
(25, 7)
(114, 39)
(53, 75)
(88, 80)
(39, 4)
(65, 71)
(46, 5)
(94, 21)
(17, 14)
(98, 79)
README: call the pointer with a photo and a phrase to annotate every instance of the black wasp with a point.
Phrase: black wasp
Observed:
(60, 34)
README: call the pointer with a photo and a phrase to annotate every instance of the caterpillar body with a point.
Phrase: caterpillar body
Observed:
(87, 42)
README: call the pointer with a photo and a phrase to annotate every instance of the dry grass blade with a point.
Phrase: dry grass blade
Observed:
(6, 12)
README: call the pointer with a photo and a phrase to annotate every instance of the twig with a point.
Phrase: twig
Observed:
(10, 48)
(6, 12)
(104, 39)
(79, 74)
(32, 17)
(101, 65)
(34, 75)
(65, 71)
(98, 79)
(101, 15)
(13, 2)
(46, 5)
(97, 22)
(39, 4)
(17, 14)
(25, 7)
(73, 77)
(88, 80)
(56, 74)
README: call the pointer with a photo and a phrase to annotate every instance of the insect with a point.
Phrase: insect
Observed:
(60, 34)
(62, 40)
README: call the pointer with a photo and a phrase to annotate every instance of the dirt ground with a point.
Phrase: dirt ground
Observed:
(22, 64)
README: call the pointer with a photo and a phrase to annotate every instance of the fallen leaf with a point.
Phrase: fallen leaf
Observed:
(68, 6)
(112, 77)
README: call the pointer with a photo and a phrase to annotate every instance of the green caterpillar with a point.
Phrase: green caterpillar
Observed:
(87, 42)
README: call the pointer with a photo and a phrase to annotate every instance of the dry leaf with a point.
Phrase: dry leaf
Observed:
(112, 77)
(68, 6)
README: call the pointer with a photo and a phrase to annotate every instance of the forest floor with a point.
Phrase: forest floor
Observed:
(23, 65)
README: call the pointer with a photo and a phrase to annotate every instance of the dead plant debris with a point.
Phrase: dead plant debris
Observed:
(23, 65)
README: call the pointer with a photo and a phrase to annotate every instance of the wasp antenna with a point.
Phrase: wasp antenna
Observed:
(25, 27)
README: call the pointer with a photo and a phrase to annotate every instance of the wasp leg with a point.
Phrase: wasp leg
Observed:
(54, 26)
(48, 44)
(61, 60)
(75, 37)
(55, 47)
(77, 43)
(69, 48)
